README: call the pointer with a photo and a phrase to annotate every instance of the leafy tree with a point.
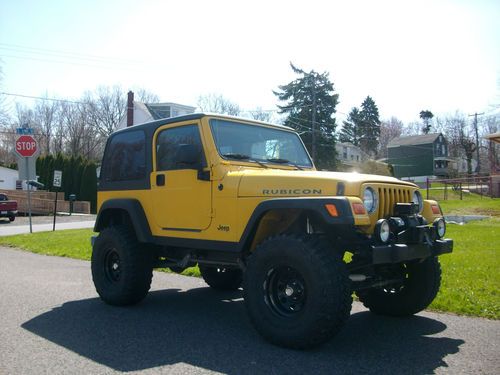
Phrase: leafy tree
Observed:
(370, 126)
(350, 131)
(310, 105)
(426, 117)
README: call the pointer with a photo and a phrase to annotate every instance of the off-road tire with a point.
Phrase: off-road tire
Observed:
(221, 278)
(121, 270)
(316, 300)
(417, 292)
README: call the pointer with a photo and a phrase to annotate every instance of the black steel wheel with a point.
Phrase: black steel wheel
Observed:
(297, 291)
(418, 286)
(222, 278)
(285, 291)
(121, 270)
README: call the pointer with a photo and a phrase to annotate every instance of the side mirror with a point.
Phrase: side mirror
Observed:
(188, 155)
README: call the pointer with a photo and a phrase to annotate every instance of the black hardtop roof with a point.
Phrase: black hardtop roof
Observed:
(153, 125)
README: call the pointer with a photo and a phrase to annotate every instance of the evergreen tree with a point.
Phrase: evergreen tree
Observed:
(310, 106)
(369, 126)
(426, 117)
(351, 128)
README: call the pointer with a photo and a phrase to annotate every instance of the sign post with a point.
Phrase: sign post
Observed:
(26, 148)
(57, 184)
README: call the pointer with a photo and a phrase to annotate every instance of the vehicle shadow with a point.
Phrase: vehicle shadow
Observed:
(210, 330)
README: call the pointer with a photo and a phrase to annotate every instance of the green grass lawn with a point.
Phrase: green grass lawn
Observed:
(472, 204)
(471, 279)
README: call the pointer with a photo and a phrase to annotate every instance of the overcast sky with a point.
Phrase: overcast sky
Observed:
(408, 55)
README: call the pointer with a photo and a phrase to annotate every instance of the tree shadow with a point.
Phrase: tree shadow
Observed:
(210, 330)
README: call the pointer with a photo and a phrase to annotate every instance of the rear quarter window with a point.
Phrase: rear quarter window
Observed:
(125, 157)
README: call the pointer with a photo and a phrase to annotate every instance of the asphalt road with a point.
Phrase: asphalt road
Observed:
(52, 322)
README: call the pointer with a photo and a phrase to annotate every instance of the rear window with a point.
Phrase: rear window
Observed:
(125, 157)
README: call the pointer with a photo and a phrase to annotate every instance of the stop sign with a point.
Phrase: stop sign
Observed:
(26, 146)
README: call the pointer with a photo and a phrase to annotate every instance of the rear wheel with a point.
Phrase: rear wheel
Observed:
(418, 288)
(222, 278)
(297, 291)
(121, 270)
(12, 218)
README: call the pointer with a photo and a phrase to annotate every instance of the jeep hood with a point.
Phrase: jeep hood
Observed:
(280, 183)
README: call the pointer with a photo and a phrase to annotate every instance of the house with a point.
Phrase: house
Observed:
(9, 179)
(350, 155)
(139, 112)
(419, 155)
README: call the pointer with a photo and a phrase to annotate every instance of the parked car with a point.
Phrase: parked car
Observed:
(8, 208)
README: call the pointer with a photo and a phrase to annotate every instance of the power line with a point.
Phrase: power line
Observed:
(42, 98)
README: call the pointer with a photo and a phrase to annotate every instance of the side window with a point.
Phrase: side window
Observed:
(170, 141)
(125, 157)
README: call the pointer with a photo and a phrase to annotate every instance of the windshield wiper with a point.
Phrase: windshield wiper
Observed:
(243, 157)
(284, 161)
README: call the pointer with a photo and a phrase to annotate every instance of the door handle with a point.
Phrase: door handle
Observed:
(160, 180)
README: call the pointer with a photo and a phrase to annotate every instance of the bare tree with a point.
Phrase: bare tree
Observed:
(411, 128)
(260, 115)
(45, 117)
(146, 96)
(216, 103)
(105, 108)
(389, 130)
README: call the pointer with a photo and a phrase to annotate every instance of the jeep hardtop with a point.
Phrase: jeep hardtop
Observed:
(242, 200)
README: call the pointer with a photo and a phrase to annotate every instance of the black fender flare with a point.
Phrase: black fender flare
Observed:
(312, 204)
(135, 212)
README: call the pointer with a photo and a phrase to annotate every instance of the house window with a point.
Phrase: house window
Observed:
(357, 157)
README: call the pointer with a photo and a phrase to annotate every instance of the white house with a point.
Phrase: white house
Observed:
(350, 154)
(8, 178)
(139, 112)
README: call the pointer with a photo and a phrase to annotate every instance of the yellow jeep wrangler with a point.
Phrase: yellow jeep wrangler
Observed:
(242, 200)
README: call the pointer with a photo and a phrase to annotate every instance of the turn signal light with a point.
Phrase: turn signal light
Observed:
(358, 208)
(332, 209)
(435, 209)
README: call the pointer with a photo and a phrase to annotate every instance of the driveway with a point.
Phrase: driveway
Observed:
(52, 322)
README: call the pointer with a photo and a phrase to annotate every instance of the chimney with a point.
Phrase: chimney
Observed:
(130, 108)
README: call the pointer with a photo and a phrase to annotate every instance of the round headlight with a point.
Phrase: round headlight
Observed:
(440, 227)
(370, 199)
(418, 200)
(382, 231)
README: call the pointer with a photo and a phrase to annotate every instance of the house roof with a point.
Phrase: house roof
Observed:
(414, 140)
(495, 137)
(164, 110)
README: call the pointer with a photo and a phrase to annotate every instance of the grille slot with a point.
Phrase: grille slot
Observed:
(388, 197)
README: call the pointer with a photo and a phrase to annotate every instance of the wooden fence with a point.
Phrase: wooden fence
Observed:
(42, 202)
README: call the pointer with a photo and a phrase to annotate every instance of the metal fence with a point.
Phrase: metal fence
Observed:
(456, 188)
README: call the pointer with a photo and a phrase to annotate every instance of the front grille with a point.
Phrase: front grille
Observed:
(389, 196)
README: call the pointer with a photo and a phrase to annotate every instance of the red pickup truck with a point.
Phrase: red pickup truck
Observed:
(7, 208)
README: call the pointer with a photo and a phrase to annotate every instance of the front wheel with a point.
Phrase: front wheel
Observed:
(297, 291)
(418, 288)
(121, 270)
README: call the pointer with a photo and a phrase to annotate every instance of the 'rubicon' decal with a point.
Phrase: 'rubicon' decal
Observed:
(291, 191)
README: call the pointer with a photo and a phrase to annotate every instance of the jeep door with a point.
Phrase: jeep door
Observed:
(181, 190)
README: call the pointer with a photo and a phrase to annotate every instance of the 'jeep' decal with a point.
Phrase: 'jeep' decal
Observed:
(291, 191)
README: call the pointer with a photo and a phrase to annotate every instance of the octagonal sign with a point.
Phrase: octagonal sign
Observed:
(26, 146)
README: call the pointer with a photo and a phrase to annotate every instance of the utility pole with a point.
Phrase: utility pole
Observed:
(313, 135)
(477, 139)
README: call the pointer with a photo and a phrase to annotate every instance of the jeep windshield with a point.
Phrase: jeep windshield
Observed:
(260, 144)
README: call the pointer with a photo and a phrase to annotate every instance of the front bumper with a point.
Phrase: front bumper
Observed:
(397, 253)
